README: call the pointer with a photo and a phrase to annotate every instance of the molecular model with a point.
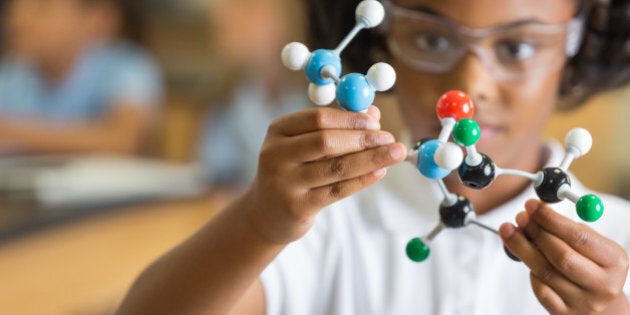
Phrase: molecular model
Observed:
(437, 158)
(354, 91)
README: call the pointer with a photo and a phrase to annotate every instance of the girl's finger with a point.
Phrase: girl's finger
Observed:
(549, 299)
(328, 171)
(526, 251)
(375, 112)
(330, 143)
(325, 195)
(573, 265)
(313, 119)
(580, 237)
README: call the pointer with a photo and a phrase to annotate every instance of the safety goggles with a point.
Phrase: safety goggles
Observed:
(525, 50)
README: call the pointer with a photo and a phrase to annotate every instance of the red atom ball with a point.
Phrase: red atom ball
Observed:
(456, 104)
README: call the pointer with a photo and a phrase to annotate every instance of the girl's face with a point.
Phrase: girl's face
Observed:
(513, 99)
(43, 28)
(250, 32)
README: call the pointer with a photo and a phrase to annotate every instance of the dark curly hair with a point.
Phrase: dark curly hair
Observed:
(602, 63)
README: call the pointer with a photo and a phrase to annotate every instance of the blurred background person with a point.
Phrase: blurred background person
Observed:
(73, 78)
(260, 88)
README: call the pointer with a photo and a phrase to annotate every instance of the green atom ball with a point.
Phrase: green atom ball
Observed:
(590, 208)
(417, 250)
(466, 132)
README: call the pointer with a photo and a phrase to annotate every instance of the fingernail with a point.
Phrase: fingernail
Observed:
(522, 219)
(396, 152)
(532, 206)
(373, 124)
(385, 138)
(506, 230)
(374, 112)
(379, 172)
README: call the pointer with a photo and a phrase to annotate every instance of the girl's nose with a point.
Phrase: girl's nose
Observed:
(473, 77)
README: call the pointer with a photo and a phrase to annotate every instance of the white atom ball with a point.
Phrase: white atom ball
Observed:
(381, 76)
(295, 56)
(448, 156)
(370, 13)
(322, 94)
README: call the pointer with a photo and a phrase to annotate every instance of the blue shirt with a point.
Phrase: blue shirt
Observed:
(101, 76)
(232, 138)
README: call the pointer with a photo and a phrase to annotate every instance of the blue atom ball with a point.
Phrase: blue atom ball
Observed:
(319, 59)
(354, 93)
(426, 163)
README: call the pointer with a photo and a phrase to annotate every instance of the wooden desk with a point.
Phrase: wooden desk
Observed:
(87, 266)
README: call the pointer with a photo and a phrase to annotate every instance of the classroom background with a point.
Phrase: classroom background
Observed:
(77, 227)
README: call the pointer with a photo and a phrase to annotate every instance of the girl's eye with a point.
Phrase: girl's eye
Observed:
(431, 42)
(515, 51)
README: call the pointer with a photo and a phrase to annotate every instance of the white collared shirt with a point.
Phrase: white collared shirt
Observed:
(353, 259)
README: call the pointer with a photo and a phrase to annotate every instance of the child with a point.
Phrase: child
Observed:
(72, 81)
(263, 90)
(275, 250)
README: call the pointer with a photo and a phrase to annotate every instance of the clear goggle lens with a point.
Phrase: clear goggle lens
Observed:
(432, 44)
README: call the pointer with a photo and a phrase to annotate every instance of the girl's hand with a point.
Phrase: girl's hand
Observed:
(574, 270)
(311, 159)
